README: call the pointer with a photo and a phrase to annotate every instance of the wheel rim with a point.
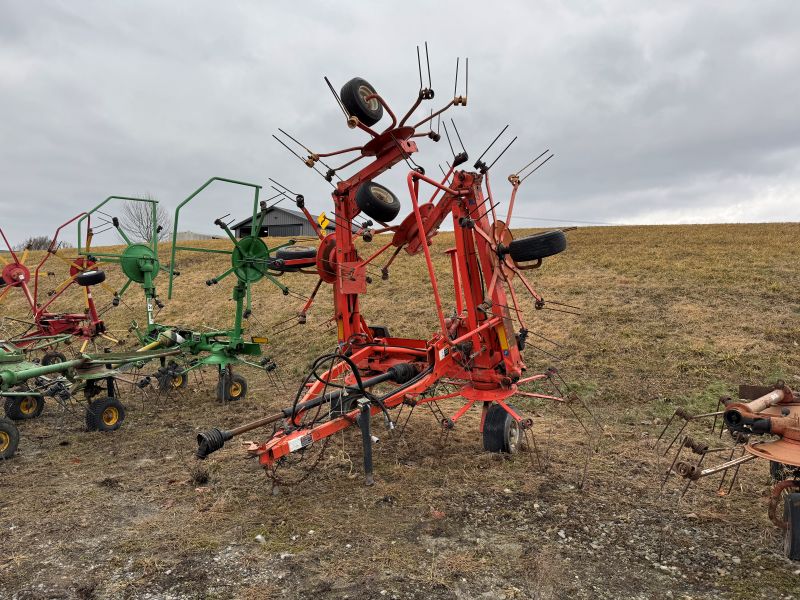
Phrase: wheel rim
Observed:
(5, 441)
(364, 92)
(27, 406)
(177, 381)
(513, 436)
(110, 416)
(236, 389)
(382, 195)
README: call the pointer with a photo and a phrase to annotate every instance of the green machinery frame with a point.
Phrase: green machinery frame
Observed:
(251, 260)
(92, 374)
(138, 261)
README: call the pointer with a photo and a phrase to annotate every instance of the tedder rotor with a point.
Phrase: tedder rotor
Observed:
(138, 260)
(46, 329)
(251, 260)
(764, 423)
(476, 346)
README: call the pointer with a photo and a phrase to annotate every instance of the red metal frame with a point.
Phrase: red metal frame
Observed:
(478, 346)
(86, 325)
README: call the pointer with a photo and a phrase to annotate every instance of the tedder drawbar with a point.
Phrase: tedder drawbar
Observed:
(476, 346)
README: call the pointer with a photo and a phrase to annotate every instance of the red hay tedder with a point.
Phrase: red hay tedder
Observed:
(476, 346)
(46, 329)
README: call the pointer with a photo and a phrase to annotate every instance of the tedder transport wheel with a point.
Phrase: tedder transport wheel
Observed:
(353, 97)
(297, 253)
(9, 439)
(501, 433)
(53, 358)
(88, 278)
(171, 378)
(537, 246)
(105, 414)
(231, 388)
(20, 408)
(377, 201)
(791, 516)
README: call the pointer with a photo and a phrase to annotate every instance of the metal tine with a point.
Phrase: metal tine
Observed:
(455, 85)
(447, 135)
(338, 99)
(281, 192)
(720, 402)
(442, 170)
(518, 173)
(459, 136)
(279, 184)
(501, 154)
(428, 62)
(477, 162)
(307, 149)
(689, 481)
(539, 166)
(282, 143)
(419, 67)
(679, 412)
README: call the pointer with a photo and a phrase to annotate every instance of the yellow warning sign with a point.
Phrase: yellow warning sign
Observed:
(323, 221)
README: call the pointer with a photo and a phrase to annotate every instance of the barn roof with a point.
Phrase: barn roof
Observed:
(295, 213)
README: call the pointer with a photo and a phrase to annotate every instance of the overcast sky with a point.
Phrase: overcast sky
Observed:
(658, 112)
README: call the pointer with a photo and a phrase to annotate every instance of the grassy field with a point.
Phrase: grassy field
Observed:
(670, 316)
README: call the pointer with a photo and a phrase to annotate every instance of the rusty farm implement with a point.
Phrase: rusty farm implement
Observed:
(474, 357)
(763, 423)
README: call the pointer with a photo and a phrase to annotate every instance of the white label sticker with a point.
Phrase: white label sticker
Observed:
(300, 442)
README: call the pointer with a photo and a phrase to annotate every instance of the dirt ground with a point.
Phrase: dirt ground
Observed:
(670, 316)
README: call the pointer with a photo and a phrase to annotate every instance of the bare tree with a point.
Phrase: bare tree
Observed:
(40, 242)
(137, 220)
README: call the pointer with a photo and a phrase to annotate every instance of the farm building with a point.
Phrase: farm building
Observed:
(279, 222)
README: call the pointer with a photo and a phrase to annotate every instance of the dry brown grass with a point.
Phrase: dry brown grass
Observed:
(670, 316)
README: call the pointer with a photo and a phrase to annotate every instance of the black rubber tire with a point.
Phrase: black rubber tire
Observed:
(352, 95)
(501, 433)
(105, 414)
(297, 253)
(377, 202)
(537, 246)
(23, 408)
(231, 388)
(172, 381)
(53, 358)
(791, 516)
(88, 278)
(172, 378)
(9, 440)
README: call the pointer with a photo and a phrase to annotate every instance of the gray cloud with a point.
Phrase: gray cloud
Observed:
(657, 112)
